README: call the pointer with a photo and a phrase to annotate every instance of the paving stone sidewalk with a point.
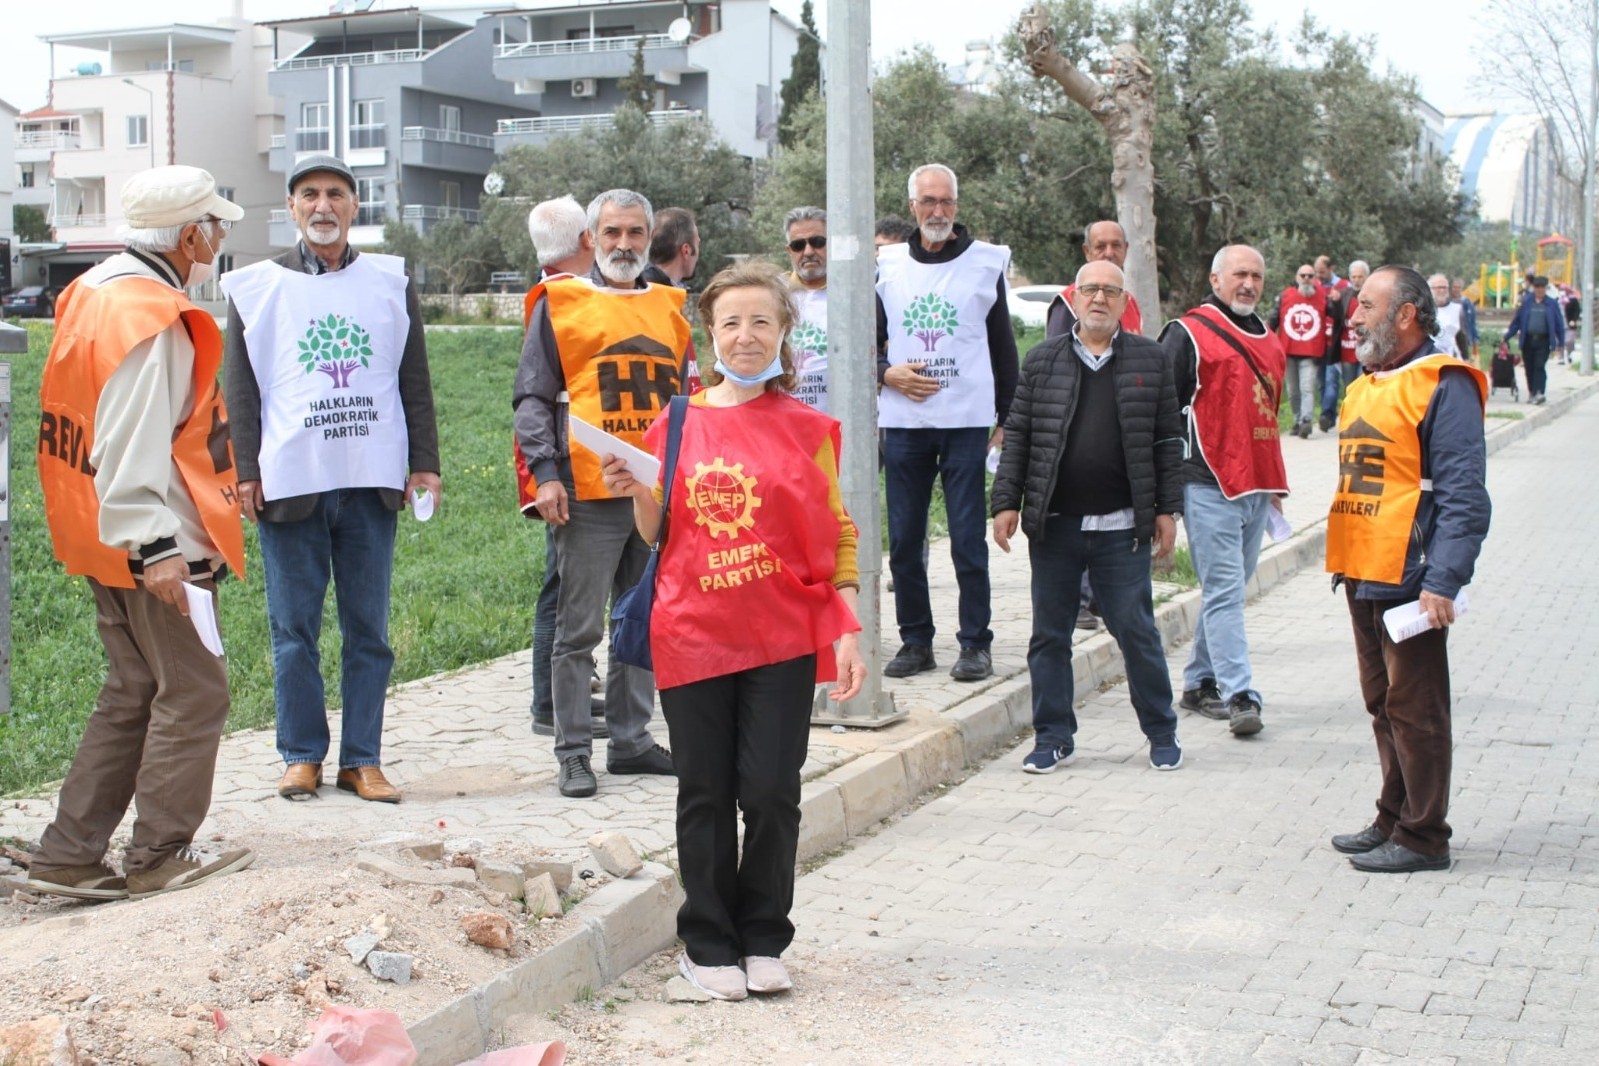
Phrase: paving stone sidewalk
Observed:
(1110, 913)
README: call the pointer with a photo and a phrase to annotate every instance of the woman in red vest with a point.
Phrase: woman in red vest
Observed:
(755, 585)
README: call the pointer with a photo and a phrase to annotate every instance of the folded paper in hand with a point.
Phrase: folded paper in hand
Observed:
(1409, 620)
(203, 613)
(644, 467)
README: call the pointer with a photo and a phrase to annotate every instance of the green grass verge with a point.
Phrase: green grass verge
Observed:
(463, 588)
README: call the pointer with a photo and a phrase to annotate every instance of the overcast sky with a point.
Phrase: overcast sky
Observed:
(1442, 52)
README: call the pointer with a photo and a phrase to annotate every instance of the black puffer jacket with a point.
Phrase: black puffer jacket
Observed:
(1035, 432)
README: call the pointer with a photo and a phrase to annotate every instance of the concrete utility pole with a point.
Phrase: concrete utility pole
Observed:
(13, 341)
(852, 331)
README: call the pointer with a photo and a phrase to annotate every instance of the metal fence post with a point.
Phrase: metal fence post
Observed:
(13, 341)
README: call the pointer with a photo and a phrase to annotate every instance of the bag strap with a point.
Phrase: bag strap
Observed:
(676, 410)
(1241, 350)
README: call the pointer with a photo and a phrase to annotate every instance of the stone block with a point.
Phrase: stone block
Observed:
(615, 853)
(549, 980)
(406, 875)
(488, 929)
(873, 787)
(360, 946)
(633, 919)
(501, 878)
(543, 899)
(822, 825)
(390, 966)
(40, 1042)
(560, 873)
(425, 851)
(931, 758)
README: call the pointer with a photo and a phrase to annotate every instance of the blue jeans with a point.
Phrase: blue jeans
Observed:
(544, 629)
(912, 459)
(350, 537)
(1224, 541)
(1118, 566)
(1333, 379)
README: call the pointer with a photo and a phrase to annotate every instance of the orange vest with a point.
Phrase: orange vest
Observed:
(622, 356)
(95, 330)
(1380, 468)
(1233, 415)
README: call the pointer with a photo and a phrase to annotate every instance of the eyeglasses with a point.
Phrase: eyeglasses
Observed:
(1109, 292)
(798, 243)
(1306, 277)
(927, 203)
(221, 223)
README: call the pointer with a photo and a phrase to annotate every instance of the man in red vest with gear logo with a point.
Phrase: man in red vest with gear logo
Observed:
(1303, 322)
(1229, 374)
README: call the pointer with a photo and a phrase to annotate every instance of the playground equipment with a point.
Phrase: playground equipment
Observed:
(1501, 284)
(1497, 285)
(1556, 259)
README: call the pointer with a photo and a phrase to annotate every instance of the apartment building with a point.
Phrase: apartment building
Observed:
(723, 61)
(408, 98)
(8, 172)
(125, 99)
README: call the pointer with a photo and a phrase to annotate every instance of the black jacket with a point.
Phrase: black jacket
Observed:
(243, 394)
(1035, 432)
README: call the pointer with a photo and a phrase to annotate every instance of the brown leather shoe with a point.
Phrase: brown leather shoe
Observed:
(300, 781)
(369, 783)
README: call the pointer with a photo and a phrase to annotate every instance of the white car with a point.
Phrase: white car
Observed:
(1030, 303)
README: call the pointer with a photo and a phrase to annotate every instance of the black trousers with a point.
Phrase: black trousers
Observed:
(738, 743)
(1406, 689)
(1534, 359)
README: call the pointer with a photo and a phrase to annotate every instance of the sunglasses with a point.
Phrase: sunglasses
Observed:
(798, 243)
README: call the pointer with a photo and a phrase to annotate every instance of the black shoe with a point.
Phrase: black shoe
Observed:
(545, 726)
(577, 779)
(1327, 422)
(1243, 715)
(910, 659)
(1392, 857)
(1087, 619)
(655, 760)
(1368, 839)
(974, 664)
(1205, 700)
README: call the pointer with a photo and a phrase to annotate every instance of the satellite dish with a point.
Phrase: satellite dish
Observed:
(680, 29)
(494, 183)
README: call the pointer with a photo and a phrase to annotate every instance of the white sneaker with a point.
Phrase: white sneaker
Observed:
(718, 982)
(766, 973)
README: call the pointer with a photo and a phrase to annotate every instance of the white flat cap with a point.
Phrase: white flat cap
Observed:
(173, 196)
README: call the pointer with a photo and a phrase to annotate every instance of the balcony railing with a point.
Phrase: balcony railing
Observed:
(577, 123)
(429, 213)
(375, 135)
(311, 140)
(517, 49)
(55, 140)
(77, 219)
(352, 59)
(428, 133)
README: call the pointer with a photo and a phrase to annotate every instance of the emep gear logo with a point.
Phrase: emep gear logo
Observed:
(722, 498)
(1265, 402)
(1302, 322)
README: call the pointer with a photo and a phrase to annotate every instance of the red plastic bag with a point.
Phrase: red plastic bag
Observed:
(353, 1036)
(552, 1053)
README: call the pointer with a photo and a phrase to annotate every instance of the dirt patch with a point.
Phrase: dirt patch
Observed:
(139, 980)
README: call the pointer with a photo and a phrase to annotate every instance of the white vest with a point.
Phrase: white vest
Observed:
(1448, 326)
(809, 343)
(326, 352)
(937, 315)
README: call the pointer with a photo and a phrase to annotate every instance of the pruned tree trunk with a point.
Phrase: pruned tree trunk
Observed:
(1125, 110)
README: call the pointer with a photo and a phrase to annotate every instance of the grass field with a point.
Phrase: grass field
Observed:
(464, 583)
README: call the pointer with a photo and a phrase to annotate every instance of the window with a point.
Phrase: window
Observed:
(450, 118)
(373, 211)
(312, 136)
(185, 66)
(450, 196)
(366, 124)
(227, 192)
(314, 116)
(26, 178)
(138, 131)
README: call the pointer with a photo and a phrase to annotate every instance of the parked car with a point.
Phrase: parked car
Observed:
(1030, 303)
(34, 301)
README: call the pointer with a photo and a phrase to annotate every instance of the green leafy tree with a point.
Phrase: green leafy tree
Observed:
(638, 88)
(29, 224)
(929, 318)
(804, 78)
(679, 164)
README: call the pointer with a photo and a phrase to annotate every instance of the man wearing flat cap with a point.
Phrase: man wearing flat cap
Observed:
(334, 433)
(139, 495)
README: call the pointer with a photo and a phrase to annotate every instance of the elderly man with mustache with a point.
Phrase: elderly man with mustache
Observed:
(612, 349)
(333, 431)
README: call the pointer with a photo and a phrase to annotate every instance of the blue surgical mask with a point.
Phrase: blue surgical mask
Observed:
(774, 369)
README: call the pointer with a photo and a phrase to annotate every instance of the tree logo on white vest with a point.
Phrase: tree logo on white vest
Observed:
(1302, 322)
(809, 342)
(930, 318)
(337, 347)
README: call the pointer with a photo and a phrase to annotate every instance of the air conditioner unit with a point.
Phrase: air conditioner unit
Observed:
(582, 88)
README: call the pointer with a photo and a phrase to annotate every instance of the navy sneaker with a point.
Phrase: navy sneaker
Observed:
(1045, 759)
(1164, 752)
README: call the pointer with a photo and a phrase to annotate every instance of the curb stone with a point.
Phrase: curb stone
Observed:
(628, 920)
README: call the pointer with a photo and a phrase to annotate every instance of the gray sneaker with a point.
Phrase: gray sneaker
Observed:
(95, 881)
(187, 867)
